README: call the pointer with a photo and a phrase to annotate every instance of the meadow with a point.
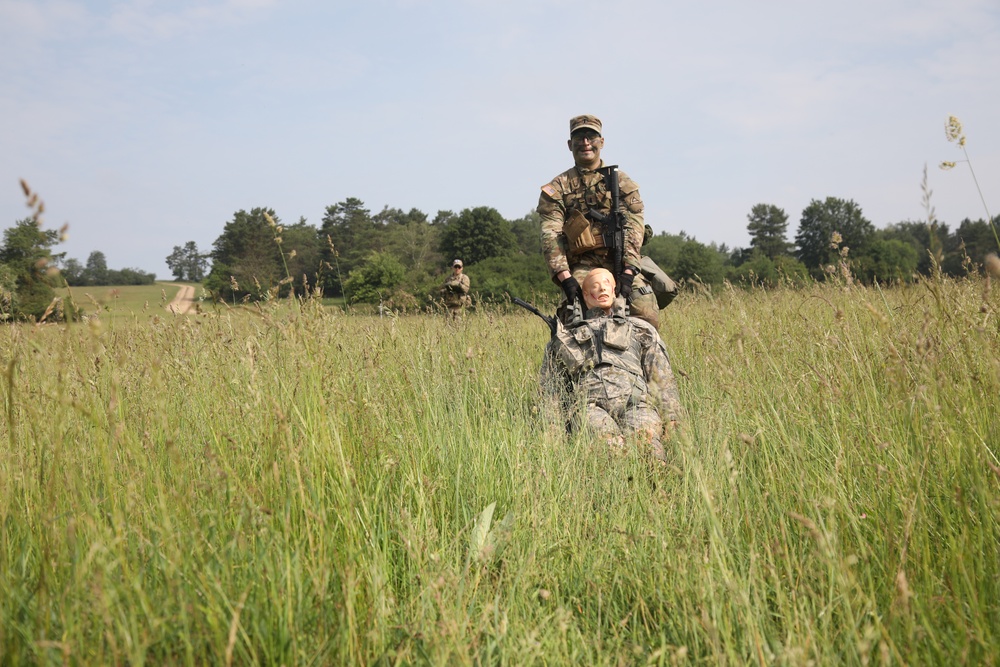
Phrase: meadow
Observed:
(287, 484)
(128, 302)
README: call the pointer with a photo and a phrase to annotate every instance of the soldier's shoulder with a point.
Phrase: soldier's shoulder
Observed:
(561, 181)
(643, 326)
(646, 331)
(626, 183)
(558, 186)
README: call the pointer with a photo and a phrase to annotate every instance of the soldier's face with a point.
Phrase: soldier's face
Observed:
(586, 147)
(599, 289)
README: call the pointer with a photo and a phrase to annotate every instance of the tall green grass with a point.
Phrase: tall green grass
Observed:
(294, 486)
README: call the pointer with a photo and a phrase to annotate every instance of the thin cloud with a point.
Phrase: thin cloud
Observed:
(140, 19)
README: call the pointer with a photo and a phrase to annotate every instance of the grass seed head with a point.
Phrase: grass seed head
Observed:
(953, 130)
(903, 593)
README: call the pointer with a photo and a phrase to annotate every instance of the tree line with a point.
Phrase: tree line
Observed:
(398, 258)
(96, 272)
(30, 272)
(393, 257)
(833, 236)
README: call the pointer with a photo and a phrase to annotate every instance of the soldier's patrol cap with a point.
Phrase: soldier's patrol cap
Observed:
(457, 262)
(586, 121)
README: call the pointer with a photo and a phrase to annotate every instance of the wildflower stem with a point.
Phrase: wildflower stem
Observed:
(981, 197)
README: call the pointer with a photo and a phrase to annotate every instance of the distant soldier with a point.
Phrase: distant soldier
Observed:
(614, 369)
(574, 239)
(455, 290)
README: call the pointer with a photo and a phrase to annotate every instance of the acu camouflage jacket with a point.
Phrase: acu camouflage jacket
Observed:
(615, 356)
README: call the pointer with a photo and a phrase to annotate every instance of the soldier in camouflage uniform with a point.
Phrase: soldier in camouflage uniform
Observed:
(455, 290)
(614, 369)
(573, 243)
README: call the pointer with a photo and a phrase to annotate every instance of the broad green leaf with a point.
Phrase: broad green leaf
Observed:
(480, 531)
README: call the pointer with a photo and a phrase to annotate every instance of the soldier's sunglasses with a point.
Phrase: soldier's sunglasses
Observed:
(590, 137)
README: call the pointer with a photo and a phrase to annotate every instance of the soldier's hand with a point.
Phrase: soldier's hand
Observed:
(625, 284)
(571, 288)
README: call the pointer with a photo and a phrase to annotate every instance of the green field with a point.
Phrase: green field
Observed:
(142, 302)
(296, 486)
(127, 301)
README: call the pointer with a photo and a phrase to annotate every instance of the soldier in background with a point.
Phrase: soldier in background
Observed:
(455, 290)
(573, 243)
(612, 371)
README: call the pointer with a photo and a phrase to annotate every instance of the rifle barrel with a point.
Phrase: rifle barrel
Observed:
(550, 320)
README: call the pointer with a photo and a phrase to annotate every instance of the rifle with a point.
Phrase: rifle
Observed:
(613, 222)
(575, 314)
(551, 320)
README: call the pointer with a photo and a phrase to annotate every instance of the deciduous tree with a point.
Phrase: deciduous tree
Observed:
(376, 280)
(972, 240)
(816, 228)
(697, 261)
(187, 263)
(411, 238)
(96, 270)
(72, 271)
(476, 234)
(887, 261)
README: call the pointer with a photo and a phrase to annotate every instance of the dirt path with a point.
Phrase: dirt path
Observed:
(183, 302)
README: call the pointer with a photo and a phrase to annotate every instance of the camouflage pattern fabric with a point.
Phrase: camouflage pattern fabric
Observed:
(581, 190)
(455, 292)
(613, 375)
(664, 288)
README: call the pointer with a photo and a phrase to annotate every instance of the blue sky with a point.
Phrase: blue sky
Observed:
(145, 124)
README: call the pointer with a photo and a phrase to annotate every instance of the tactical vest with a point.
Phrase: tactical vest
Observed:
(603, 342)
(589, 191)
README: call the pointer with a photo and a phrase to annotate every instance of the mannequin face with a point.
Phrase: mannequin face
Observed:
(599, 289)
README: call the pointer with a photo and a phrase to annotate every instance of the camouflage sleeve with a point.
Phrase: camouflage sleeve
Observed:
(635, 226)
(464, 283)
(633, 241)
(552, 213)
(660, 377)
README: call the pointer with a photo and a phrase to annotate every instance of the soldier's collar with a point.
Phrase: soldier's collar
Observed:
(617, 311)
(582, 171)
